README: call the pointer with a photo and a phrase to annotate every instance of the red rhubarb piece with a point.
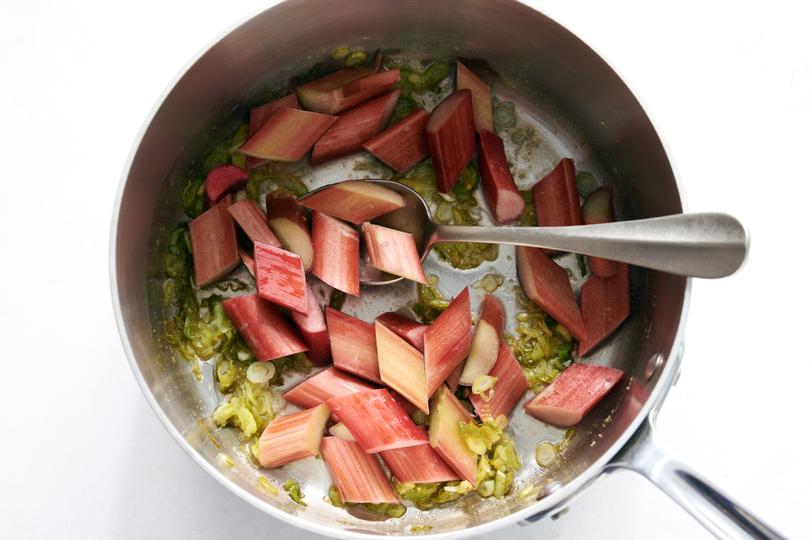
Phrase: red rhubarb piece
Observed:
(605, 305)
(481, 96)
(402, 367)
(354, 127)
(288, 135)
(547, 285)
(402, 145)
(573, 394)
(500, 191)
(264, 329)
(408, 329)
(260, 115)
(223, 180)
(598, 208)
(336, 259)
(355, 201)
(446, 414)
(556, 200)
(312, 327)
(486, 341)
(508, 390)
(289, 223)
(360, 90)
(247, 260)
(324, 386)
(213, 243)
(393, 251)
(454, 377)
(251, 219)
(345, 89)
(451, 138)
(417, 465)
(358, 477)
(448, 340)
(292, 437)
(353, 344)
(376, 420)
(280, 277)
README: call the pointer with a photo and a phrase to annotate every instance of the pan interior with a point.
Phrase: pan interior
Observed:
(563, 93)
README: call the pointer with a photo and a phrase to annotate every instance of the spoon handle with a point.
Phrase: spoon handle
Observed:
(706, 245)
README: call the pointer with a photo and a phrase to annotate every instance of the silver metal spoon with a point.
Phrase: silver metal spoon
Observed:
(706, 245)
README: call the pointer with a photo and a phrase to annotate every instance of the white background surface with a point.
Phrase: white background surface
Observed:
(84, 457)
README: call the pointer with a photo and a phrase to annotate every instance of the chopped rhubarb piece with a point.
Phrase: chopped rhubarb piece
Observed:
(213, 243)
(264, 329)
(288, 135)
(573, 394)
(417, 465)
(323, 386)
(358, 476)
(448, 340)
(605, 305)
(251, 219)
(376, 420)
(547, 285)
(509, 388)
(247, 260)
(446, 414)
(454, 377)
(354, 127)
(486, 340)
(223, 180)
(260, 115)
(406, 405)
(408, 329)
(354, 345)
(402, 367)
(336, 259)
(451, 138)
(393, 251)
(598, 208)
(556, 200)
(345, 89)
(289, 223)
(340, 430)
(312, 327)
(500, 191)
(355, 201)
(292, 437)
(402, 145)
(481, 96)
(280, 277)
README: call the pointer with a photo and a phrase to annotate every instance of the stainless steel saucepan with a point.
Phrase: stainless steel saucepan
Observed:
(579, 107)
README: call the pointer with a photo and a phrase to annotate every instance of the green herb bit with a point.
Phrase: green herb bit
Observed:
(430, 495)
(586, 183)
(417, 82)
(340, 52)
(431, 301)
(528, 218)
(337, 299)
(583, 268)
(386, 509)
(416, 529)
(333, 497)
(286, 176)
(293, 489)
(497, 457)
(264, 485)
(490, 282)
(547, 453)
(355, 58)
(405, 106)
(296, 362)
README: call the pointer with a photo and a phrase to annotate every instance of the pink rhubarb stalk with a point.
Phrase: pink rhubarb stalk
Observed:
(376, 421)
(312, 327)
(353, 344)
(547, 285)
(358, 476)
(336, 260)
(598, 208)
(289, 223)
(213, 244)
(223, 180)
(573, 394)
(408, 329)
(481, 96)
(280, 277)
(404, 144)
(486, 340)
(252, 220)
(556, 200)
(288, 135)
(508, 390)
(605, 305)
(324, 386)
(260, 115)
(292, 437)
(446, 414)
(451, 138)
(247, 260)
(393, 251)
(355, 201)
(402, 367)
(345, 89)
(417, 465)
(354, 127)
(500, 191)
(447, 341)
(264, 329)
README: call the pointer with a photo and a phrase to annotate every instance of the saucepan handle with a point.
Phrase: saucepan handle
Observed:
(719, 513)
